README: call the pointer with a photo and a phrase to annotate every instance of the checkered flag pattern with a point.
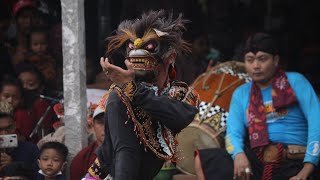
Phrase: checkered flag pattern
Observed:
(213, 110)
(231, 72)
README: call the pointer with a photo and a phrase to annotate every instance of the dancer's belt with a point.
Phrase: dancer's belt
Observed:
(290, 152)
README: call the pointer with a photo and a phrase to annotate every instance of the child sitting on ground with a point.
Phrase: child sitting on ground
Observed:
(52, 161)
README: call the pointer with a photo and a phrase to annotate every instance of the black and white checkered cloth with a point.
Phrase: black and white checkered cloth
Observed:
(212, 111)
(230, 71)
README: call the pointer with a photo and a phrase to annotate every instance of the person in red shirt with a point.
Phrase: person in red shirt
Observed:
(83, 160)
(34, 108)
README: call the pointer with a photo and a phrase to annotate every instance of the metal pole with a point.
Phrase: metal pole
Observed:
(74, 76)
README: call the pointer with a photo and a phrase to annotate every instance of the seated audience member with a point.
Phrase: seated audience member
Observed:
(94, 93)
(31, 79)
(93, 96)
(273, 127)
(38, 41)
(52, 161)
(83, 160)
(25, 115)
(89, 127)
(25, 152)
(32, 108)
(11, 91)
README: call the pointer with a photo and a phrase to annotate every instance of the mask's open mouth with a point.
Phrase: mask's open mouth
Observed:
(143, 63)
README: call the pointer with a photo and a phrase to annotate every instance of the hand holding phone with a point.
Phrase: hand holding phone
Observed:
(8, 141)
(5, 159)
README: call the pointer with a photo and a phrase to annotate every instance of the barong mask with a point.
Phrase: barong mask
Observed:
(149, 42)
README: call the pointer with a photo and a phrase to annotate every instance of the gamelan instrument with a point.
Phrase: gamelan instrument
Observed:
(207, 130)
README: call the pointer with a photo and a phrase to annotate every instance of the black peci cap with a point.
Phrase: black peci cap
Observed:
(261, 42)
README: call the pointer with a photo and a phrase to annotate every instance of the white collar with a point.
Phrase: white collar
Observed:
(41, 172)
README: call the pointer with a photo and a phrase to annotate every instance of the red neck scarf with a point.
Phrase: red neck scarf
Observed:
(282, 96)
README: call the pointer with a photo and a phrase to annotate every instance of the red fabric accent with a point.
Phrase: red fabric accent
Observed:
(259, 153)
(282, 93)
(258, 133)
(59, 109)
(57, 124)
(172, 73)
(268, 168)
(23, 4)
(38, 108)
(26, 119)
(197, 154)
(82, 161)
(282, 96)
(267, 171)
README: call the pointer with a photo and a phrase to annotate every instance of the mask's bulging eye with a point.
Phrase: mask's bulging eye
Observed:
(151, 46)
(130, 45)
